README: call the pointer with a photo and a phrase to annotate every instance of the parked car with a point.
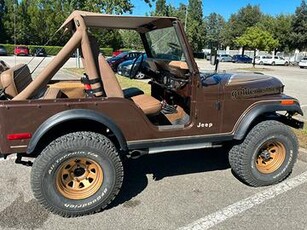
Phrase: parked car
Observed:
(116, 52)
(3, 51)
(259, 60)
(224, 57)
(21, 50)
(124, 56)
(241, 59)
(125, 67)
(275, 61)
(39, 52)
(303, 63)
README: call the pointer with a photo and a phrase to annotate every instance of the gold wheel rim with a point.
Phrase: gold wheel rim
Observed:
(79, 178)
(270, 157)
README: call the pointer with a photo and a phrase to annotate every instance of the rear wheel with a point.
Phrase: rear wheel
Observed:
(77, 174)
(267, 154)
(261, 63)
(273, 63)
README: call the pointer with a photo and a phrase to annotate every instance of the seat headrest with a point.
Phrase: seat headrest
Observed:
(15, 79)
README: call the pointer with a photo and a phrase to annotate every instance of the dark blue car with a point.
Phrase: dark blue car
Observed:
(124, 56)
(241, 59)
(125, 68)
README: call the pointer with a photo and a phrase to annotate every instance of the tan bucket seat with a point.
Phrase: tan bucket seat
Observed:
(17, 78)
(148, 104)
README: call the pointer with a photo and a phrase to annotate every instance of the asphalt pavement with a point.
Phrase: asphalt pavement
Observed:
(178, 190)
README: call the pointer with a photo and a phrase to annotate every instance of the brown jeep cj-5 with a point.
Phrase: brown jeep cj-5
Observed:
(81, 132)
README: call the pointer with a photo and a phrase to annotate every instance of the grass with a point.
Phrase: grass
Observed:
(302, 136)
(254, 69)
(123, 81)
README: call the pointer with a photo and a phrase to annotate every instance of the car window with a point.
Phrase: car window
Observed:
(121, 55)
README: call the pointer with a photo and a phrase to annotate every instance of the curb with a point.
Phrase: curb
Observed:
(302, 155)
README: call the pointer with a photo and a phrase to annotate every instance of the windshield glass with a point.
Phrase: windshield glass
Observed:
(164, 44)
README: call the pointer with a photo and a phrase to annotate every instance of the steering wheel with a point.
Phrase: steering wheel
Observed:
(136, 66)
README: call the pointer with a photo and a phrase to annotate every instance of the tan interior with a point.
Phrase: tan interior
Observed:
(17, 78)
(110, 83)
(148, 104)
(72, 89)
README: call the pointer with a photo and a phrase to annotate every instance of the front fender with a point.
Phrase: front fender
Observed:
(76, 114)
(260, 109)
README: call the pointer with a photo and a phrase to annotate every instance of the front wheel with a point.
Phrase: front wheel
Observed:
(77, 174)
(266, 156)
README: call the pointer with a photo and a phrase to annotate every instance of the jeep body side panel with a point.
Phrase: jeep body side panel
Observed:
(132, 122)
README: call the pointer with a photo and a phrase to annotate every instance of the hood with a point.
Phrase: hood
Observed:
(249, 85)
(126, 63)
(253, 85)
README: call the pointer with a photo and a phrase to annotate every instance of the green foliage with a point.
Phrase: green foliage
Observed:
(35, 21)
(214, 25)
(161, 8)
(299, 27)
(106, 51)
(131, 39)
(195, 26)
(257, 38)
(238, 23)
(280, 27)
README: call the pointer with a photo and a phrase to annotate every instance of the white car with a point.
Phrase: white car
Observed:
(259, 60)
(275, 61)
(303, 63)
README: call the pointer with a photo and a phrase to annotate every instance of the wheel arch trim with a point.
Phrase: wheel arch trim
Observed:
(258, 110)
(76, 114)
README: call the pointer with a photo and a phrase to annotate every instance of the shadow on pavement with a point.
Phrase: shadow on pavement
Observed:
(167, 165)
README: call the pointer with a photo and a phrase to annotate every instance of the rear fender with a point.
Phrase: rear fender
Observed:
(76, 114)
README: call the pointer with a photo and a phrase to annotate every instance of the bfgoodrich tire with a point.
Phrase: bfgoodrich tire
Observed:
(266, 156)
(77, 174)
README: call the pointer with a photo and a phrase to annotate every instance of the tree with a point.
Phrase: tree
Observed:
(280, 27)
(214, 25)
(238, 23)
(35, 21)
(195, 26)
(3, 35)
(131, 39)
(257, 38)
(161, 8)
(299, 27)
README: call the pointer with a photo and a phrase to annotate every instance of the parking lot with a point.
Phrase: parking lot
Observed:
(177, 190)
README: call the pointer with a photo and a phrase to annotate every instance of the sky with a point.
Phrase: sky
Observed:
(228, 7)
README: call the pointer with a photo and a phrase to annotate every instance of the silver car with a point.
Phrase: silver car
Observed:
(224, 57)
